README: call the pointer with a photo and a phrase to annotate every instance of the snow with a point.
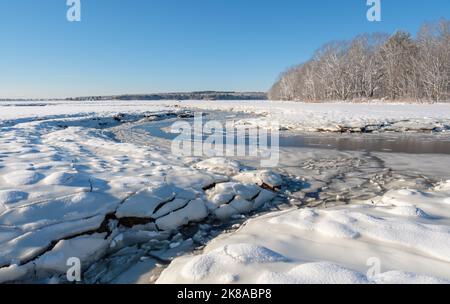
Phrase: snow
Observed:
(220, 165)
(29, 245)
(333, 245)
(264, 177)
(217, 260)
(337, 116)
(14, 272)
(194, 211)
(231, 198)
(74, 207)
(68, 189)
(64, 183)
(86, 248)
(20, 178)
(11, 196)
(314, 273)
(144, 203)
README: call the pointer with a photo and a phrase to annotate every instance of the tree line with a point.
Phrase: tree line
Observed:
(374, 66)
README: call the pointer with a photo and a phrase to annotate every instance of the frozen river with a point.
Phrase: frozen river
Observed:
(99, 181)
(330, 169)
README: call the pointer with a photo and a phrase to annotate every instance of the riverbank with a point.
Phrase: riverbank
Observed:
(69, 188)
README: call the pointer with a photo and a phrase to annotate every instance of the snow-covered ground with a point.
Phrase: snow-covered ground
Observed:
(68, 189)
(340, 117)
(332, 117)
(401, 237)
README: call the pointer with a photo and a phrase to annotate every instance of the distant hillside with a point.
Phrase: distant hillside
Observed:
(203, 95)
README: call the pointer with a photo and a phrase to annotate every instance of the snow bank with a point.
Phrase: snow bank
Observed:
(359, 244)
(338, 116)
(216, 261)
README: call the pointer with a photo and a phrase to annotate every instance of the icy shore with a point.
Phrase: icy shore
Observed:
(339, 117)
(68, 189)
(321, 117)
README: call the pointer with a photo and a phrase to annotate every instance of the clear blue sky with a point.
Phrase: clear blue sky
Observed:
(140, 46)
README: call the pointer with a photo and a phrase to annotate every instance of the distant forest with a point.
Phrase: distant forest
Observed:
(374, 66)
(203, 95)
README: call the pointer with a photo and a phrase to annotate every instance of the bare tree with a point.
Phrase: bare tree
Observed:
(433, 61)
(374, 66)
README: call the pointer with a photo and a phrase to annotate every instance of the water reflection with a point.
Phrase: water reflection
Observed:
(413, 144)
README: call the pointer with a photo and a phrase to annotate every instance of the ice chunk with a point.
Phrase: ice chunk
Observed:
(170, 207)
(241, 205)
(271, 179)
(263, 197)
(188, 178)
(14, 272)
(73, 207)
(220, 165)
(144, 203)
(222, 198)
(264, 177)
(31, 244)
(87, 248)
(194, 211)
(246, 191)
(224, 212)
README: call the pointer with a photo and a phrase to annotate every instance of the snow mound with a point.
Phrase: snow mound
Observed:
(336, 225)
(314, 273)
(330, 273)
(408, 211)
(430, 239)
(218, 261)
(12, 196)
(129, 183)
(63, 178)
(401, 277)
(406, 231)
(248, 254)
(23, 178)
